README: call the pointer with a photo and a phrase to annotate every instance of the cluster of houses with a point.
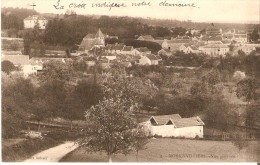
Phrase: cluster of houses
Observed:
(118, 52)
(214, 43)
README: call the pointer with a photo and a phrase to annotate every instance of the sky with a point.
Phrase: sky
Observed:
(233, 11)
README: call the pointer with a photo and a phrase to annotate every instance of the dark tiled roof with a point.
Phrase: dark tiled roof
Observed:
(88, 43)
(215, 38)
(216, 46)
(178, 121)
(187, 122)
(163, 119)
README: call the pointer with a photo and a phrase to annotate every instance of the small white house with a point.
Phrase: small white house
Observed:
(149, 59)
(31, 21)
(22, 62)
(174, 126)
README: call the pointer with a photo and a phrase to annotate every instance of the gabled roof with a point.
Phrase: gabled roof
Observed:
(215, 46)
(128, 48)
(179, 41)
(41, 60)
(16, 59)
(177, 121)
(175, 46)
(193, 47)
(99, 34)
(212, 38)
(187, 122)
(88, 43)
(90, 36)
(163, 119)
(146, 37)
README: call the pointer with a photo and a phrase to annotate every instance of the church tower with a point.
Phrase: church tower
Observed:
(100, 37)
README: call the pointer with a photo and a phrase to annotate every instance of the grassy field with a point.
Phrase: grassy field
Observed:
(178, 150)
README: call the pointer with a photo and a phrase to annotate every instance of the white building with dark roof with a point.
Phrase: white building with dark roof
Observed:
(214, 50)
(174, 126)
(31, 21)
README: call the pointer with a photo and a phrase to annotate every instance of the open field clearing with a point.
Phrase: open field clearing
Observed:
(178, 150)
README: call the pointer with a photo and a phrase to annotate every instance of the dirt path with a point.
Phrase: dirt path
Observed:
(53, 154)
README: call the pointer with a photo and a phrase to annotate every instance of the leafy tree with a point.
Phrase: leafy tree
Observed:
(140, 141)
(246, 89)
(33, 41)
(79, 65)
(71, 110)
(87, 94)
(239, 141)
(7, 67)
(252, 116)
(254, 36)
(54, 93)
(218, 114)
(17, 94)
(56, 71)
(40, 111)
(111, 129)
(118, 85)
(199, 88)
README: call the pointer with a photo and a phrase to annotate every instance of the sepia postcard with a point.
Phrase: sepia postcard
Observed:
(141, 81)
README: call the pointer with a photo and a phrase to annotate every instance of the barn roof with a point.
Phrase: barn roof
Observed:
(186, 122)
(163, 119)
(177, 121)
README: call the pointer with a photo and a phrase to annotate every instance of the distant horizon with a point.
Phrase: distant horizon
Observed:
(171, 19)
(206, 11)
